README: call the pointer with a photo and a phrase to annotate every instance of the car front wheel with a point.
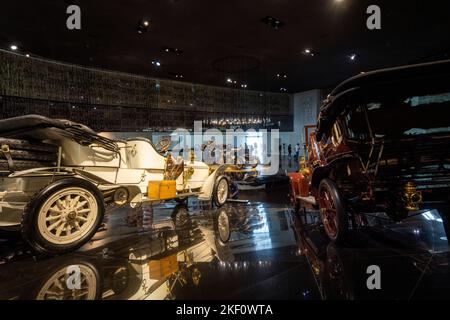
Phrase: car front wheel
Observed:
(221, 191)
(63, 216)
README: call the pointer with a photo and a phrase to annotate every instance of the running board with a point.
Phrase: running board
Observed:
(309, 200)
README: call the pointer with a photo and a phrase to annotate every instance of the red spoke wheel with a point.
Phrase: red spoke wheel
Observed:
(332, 211)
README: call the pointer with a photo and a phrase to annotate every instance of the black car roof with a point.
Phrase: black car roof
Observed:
(392, 74)
(329, 110)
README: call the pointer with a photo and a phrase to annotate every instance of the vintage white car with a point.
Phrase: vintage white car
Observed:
(56, 177)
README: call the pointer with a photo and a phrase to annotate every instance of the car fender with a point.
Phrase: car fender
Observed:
(208, 185)
(134, 191)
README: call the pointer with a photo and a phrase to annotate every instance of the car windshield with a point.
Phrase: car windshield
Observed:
(399, 115)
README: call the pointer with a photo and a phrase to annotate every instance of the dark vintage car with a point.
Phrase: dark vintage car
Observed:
(382, 144)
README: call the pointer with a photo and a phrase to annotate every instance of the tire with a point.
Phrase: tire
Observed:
(221, 191)
(23, 165)
(31, 155)
(223, 227)
(57, 282)
(180, 216)
(42, 229)
(28, 145)
(333, 211)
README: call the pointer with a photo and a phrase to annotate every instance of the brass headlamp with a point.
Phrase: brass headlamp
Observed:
(412, 197)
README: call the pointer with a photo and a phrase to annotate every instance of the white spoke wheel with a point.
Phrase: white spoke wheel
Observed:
(223, 226)
(63, 216)
(221, 191)
(67, 216)
(74, 282)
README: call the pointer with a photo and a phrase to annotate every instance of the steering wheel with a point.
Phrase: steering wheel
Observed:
(163, 145)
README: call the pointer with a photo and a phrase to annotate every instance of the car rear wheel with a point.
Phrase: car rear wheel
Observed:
(63, 216)
(333, 211)
(79, 281)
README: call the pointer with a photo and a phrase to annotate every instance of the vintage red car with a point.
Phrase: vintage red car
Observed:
(382, 144)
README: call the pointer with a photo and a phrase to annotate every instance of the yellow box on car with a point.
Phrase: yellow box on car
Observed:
(161, 190)
(167, 189)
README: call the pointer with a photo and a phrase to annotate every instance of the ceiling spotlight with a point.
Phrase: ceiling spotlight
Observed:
(172, 50)
(352, 57)
(229, 80)
(283, 89)
(27, 55)
(142, 26)
(14, 47)
(156, 63)
(309, 52)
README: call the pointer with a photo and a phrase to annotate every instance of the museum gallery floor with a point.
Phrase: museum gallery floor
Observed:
(177, 251)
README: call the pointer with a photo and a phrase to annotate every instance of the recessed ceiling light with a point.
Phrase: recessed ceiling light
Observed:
(309, 52)
(142, 26)
(352, 56)
(172, 50)
(229, 80)
(27, 55)
(14, 47)
(156, 63)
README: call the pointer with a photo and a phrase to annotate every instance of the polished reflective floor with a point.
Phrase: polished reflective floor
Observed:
(254, 249)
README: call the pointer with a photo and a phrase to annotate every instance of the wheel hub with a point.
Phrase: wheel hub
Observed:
(67, 216)
(72, 215)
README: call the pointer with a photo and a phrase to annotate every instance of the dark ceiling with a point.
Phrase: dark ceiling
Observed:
(226, 39)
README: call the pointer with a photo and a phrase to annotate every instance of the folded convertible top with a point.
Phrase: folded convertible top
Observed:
(39, 127)
(33, 121)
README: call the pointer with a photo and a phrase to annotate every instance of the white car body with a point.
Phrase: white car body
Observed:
(133, 167)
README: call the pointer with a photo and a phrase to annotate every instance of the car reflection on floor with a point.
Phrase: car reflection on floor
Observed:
(413, 259)
(254, 250)
(166, 252)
